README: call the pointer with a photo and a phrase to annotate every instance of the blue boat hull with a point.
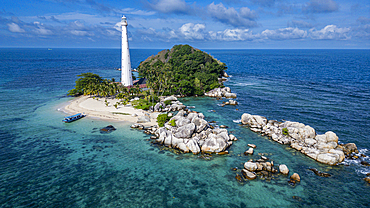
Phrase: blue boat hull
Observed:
(70, 119)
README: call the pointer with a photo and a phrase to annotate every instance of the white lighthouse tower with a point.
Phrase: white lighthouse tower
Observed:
(126, 76)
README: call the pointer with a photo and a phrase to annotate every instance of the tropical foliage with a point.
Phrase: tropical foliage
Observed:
(162, 119)
(182, 70)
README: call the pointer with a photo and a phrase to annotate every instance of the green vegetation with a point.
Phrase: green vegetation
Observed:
(142, 104)
(167, 102)
(84, 82)
(162, 119)
(285, 132)
(172, 123)
(182, 70)
(94, 85)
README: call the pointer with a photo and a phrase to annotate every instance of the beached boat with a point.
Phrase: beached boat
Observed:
(69, 119)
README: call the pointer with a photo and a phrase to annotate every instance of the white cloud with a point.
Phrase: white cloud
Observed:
(127, 11)
(170, 6)
(330, 32)
(192, 31)
(284, 34)
(233, 35)
(41, 30)
(15, 28)
(245, 17)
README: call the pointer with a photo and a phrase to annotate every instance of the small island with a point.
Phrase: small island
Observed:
(181, 71)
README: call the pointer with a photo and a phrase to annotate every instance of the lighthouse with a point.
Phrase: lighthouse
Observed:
(126, 76)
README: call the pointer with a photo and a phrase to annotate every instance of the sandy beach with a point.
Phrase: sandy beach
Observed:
(97, 109)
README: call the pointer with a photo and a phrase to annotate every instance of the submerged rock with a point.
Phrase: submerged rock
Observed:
(238, 178)
(107, 129)
(367, 179)
(319, 173)
(365, 163)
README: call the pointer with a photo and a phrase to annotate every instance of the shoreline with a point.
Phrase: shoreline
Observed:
(97, 109)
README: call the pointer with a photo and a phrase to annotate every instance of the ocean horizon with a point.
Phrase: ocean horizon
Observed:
(47, 163)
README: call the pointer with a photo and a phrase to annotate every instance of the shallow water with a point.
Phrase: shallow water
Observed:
(46, 163)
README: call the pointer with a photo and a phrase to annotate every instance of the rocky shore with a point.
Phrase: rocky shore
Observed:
(221, 92)
(188, 131)
(323, 148)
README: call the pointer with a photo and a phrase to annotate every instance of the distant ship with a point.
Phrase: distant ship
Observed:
(69, 119)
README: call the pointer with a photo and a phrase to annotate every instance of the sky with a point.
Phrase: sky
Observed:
(160, 24)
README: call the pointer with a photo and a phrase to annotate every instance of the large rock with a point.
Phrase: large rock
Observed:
(328, 158)
(248, 174)
(158, 107)
(193, 146)
(215, 143)
(221, 92)
(331, 137)
(200, 124)
(253, 120)
(185, 131)
(250, 166)
(295, 177)
(182, 121)
(230, 95)
(349, 148)
(171, 98)
(283, 169)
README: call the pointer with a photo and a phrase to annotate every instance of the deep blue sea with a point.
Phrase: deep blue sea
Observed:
(46, 163)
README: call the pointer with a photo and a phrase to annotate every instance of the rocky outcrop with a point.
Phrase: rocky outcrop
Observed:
(172, 105)
(261, 168)
(231, 102)
(193, 134)
(221, 92)
(323, 148)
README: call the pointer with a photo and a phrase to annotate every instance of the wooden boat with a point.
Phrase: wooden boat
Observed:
(69, 119)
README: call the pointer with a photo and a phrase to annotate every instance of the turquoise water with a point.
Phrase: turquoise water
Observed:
(46, 163)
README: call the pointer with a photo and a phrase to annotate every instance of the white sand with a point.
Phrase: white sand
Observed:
(97, 108)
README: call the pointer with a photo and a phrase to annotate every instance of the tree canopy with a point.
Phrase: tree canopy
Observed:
(84, 81)
(182, 70)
